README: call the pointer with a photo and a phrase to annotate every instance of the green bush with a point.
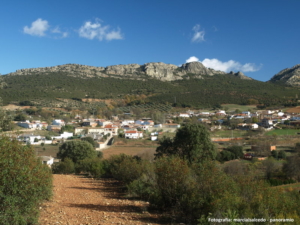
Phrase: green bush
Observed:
(24, 183)
(64, 167)
(95, 167)
(76, 150)
(125, 168)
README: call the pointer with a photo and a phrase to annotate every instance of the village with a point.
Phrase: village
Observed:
(232, 125)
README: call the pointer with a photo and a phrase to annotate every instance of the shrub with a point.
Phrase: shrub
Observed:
(24, 183)
(95, 167)
(65, 167)
(76, 150)
(125, 168)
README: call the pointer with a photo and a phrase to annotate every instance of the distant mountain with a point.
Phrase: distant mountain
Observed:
(160, 71)
(289, 76)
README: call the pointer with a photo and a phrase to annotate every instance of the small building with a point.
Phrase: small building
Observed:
(47, 160)
(111, 128)
(133, 134)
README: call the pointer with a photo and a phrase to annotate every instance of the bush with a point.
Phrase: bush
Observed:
(125, 168)
(24, 183)
(76, 150)
(65, 167)
(95, 167)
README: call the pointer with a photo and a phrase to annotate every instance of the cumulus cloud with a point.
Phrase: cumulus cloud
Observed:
(192, 59)
(97, 31)
(228, 66)
(38, 28)
(198, 35)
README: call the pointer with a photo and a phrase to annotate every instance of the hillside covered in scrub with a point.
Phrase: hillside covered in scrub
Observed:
(189, 91)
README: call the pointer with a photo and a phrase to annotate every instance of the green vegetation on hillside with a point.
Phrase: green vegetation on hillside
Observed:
(206, 92)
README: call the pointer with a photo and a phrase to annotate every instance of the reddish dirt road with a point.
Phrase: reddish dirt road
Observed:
(80, 200)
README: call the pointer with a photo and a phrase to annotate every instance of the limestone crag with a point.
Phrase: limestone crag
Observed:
(123, 69)
(158, 70)
(240, 75)
(290, 76)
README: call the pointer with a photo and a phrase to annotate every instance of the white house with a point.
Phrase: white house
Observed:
(47, 160)
(154, 138)
(112, 129)
(58, 122)
(185, 115)
(133, 134)
(26, 125)
(29, 138)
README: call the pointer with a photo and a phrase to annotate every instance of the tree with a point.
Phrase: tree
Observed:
(76, 150)
(89, 140)
(281, 154)
(24, 183)
(292, 167)
(236, 150)
(192, 142)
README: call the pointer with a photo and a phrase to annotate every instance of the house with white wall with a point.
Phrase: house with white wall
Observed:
(133, 134)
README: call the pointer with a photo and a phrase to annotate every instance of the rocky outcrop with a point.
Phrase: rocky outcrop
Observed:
(123, 69)
(240, 75)
(159, 70)
(289, 76)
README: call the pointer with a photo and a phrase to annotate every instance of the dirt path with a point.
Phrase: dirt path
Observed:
(80, 200)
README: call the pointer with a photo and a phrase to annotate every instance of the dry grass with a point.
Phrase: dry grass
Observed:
(294, 110)
(140, 151)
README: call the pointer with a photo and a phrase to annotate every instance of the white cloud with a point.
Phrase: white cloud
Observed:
(192, 59)
(95, 30)
(198, 35)
(38, 28)
(62, 34)
(228, 66)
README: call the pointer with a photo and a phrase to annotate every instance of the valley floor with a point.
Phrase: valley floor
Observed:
(80, 200)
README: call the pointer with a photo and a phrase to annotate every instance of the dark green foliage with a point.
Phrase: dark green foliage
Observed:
(47, 137)
(24, 183)
(89, 140)
(281, 154)
(99, 154)
(20, 117)
(67, 128)
(225, 156)
(125, 168)
(26, 103)
(236, 150)
(64, 167)
(274, 154)
(292, 167)
(210, 91)
(95, 167)
(192, 142)
(76, 150)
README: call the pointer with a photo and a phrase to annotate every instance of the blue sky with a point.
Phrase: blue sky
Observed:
(259, 38)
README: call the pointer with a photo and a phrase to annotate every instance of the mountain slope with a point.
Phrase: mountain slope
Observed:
(190, 90)
(160, 71)
(289, 76)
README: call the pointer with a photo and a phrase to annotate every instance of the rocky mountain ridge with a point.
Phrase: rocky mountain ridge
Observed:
(289, 76)
(159, 70)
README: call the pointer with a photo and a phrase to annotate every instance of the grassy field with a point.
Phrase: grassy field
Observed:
(228, 133)
(283, 132)
(233, 107)
(46, 150)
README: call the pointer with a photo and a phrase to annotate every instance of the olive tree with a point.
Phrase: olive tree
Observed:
(191, 142)
(76, 150)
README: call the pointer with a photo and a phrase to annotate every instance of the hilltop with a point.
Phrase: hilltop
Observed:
(288, 76)
(159, 70)
(190, 85)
